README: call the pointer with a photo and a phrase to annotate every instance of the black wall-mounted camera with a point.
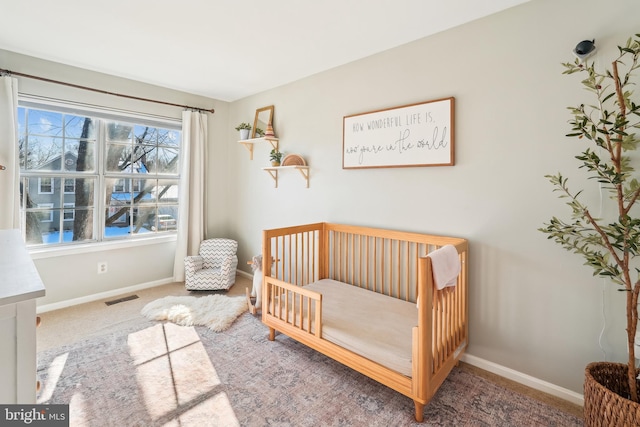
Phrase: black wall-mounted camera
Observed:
(584, 49)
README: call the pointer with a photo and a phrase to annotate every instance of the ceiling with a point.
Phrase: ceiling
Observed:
(224, 49)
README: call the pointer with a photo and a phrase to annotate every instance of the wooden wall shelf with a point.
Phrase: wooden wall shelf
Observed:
(248, 143)
(273, 171)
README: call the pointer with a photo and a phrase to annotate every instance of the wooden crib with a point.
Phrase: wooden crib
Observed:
(382, 262)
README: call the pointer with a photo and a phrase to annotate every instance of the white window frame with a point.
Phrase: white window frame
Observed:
(64, 186)
(69, 207)
(46, 206)
(119, 186)
(100, 175)
(51, 183)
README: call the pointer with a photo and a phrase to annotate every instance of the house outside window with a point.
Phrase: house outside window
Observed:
(95, 177)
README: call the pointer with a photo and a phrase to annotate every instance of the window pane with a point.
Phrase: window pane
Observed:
(168, 137)
(80, 228)
(118, 158)
(167, 160)
(117, 221)
(141, 157)
(166, 219)
(143, 190)
(167, 191)
(119, 132)
(45, 123)
(84, 195)
(77, 127)
(80, 156)
(45, 213)
(42, 153)
(146, 135)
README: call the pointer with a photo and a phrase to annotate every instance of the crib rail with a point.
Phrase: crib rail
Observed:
(292, 307)
(294, 253)
(382, 261)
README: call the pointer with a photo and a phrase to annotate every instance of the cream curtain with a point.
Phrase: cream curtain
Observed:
(191, 214)
(10, 176)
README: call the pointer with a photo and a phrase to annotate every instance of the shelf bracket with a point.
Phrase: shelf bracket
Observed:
(305, 174)
(248, 146)
(274, 143)
(274, 175)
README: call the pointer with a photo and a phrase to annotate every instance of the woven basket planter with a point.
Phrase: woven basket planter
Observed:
(605, 404)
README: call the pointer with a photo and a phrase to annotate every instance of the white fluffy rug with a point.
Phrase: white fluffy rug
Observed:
(217, 312)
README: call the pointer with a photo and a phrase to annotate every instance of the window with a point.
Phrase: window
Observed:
(45, 186)
(46, 214)
(69, 214)
(92, 178)
(69, 186)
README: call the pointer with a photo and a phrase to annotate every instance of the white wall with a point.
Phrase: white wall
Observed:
(74, 276)
(534, 307)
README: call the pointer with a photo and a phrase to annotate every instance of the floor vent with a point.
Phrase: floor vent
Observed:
(123, 299)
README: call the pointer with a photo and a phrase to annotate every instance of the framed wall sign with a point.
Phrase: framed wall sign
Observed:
(411, 135)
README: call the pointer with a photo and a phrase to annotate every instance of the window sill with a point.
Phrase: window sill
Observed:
(44, 252)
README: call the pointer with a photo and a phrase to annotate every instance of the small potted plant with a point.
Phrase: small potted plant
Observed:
(244, 129)
(275, 156)
(259, 133)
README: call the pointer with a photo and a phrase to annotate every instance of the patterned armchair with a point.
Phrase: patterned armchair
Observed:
(214, 267)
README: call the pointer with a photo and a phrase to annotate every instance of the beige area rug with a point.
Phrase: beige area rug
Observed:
(161, 374)
(216, 312)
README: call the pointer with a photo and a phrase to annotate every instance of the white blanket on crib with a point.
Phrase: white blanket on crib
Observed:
(372, 325)
(445, 264)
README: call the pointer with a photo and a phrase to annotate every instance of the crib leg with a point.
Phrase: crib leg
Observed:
(419, 411)
(272, 334)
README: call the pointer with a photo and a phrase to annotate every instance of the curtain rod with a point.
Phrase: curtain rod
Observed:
(44, 79)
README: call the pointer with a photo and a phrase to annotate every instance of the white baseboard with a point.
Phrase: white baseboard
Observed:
(102, 295)
(244, 274)
(528, 380)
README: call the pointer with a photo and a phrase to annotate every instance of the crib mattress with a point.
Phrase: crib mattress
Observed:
(372, 325)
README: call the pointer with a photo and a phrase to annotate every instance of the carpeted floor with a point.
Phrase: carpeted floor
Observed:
(143, 373)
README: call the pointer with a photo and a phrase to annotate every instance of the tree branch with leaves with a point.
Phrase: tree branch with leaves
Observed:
(609, 247)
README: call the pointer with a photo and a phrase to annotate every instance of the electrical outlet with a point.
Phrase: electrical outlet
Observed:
(102, 267)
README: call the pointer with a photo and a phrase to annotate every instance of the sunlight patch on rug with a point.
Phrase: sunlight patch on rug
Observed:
(173, 368)
(217, 312)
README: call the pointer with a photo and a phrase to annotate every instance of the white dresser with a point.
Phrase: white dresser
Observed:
(20, 285)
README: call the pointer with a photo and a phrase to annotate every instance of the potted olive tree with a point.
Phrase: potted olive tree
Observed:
(610, 247)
